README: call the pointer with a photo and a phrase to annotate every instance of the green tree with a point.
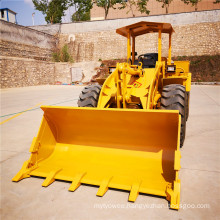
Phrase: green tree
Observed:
(82, 8)
(107, 4)
(53, 10)
(81, 16)
(165, 4)
(140, 5)
(193, 3)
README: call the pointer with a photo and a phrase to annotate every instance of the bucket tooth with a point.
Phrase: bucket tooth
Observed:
(76, 182)
(103, 186)
(174, 195)
(50, 178)
(24, 171)
(134, 191)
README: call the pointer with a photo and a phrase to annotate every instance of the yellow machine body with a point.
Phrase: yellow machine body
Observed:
(116, 145)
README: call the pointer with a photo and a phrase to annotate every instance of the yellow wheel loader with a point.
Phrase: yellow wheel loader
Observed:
(126, 134)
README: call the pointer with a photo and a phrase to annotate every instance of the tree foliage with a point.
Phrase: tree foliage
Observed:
(53, 10)
(216, 1)
(82, 10)
(81, 15)
(140, 5)
(192, 2)
(107, 4)
(165, 4)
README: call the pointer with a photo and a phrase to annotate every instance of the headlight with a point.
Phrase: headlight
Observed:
(111, 69)
(171, 68)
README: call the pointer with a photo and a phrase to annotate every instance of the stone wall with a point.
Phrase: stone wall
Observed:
(14, 49)
(26, 57)
(196, 33)
(26, 53)
(20, 72)
(20, 41)
(195, 39)
(24, 35)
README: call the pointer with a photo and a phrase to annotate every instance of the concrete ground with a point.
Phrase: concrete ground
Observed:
(200, 172)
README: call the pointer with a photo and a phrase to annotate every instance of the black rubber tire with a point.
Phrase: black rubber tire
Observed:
(89, 96)
(187, 104)
(174, 98)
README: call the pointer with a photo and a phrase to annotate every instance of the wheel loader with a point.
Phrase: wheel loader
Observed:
(125, 134)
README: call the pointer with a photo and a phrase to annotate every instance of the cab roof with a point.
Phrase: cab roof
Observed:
(144, 27)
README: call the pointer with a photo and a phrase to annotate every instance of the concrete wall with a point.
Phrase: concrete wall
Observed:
(107, 25)
(52, 29)
(11, 17)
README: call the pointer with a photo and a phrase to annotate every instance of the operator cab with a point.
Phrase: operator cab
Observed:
(148, 60)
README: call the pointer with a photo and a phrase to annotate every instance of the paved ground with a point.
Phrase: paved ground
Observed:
(200, 173)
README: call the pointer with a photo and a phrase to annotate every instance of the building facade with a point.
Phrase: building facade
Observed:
(155, 8)
(8, 15)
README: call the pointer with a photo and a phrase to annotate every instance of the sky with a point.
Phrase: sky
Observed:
(24, 10)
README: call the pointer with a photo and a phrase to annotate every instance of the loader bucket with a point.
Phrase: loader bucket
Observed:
(127, 149)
